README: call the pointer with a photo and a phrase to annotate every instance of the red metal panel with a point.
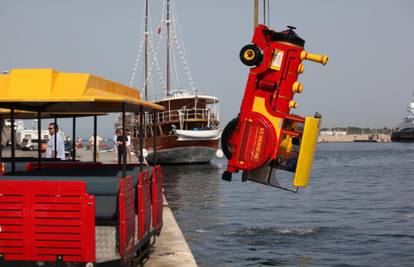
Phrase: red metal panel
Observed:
(68, 165)
(126, 216)
(62, 165)
(144, 204)
(157, 199)
(46, 219)
(256, 144)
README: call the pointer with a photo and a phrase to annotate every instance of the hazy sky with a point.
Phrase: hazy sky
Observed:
(367, 82)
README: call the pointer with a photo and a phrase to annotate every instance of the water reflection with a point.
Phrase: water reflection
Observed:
(194, 187)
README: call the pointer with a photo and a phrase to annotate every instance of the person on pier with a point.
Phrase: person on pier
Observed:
(60, 143)
(120, 143)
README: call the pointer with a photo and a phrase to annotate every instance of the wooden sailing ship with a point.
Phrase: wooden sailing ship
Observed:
(188, 130)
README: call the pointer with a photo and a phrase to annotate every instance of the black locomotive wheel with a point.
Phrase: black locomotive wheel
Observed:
(228, 130)
(251, 55)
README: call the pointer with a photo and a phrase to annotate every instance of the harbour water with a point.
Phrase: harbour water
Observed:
(357, 211)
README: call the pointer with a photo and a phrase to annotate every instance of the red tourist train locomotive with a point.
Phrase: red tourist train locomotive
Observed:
(265, 136)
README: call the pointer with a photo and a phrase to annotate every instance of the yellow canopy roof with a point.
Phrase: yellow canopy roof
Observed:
(28, 115)
(5, 113)
(48, 90)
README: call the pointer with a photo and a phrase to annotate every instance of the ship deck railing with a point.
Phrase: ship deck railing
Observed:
(193, 114)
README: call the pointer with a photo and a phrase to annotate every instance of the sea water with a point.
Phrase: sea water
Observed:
(357, 211)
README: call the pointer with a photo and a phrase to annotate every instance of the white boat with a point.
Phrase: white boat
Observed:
(184, 135)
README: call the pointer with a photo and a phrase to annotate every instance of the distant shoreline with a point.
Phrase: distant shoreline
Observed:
(353, 138)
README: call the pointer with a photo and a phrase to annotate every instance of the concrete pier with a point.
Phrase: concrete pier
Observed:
(171, 248)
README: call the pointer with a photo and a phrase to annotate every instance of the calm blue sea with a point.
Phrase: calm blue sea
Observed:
(357, 211)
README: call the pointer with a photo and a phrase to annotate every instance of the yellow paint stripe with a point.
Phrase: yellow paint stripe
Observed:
(259, 106)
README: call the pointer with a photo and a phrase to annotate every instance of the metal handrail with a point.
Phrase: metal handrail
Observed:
(183, 114)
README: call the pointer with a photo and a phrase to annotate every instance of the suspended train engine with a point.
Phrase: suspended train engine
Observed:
(265, 136)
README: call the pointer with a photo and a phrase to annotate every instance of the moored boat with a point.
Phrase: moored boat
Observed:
(405, 130)
(188, 130)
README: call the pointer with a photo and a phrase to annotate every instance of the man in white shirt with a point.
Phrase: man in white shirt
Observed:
(128, 147)
(60, 143)
(115, 144)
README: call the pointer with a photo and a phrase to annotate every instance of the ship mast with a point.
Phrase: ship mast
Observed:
(146, 52)
(168, 47)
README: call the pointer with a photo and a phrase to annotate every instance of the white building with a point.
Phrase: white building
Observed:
(333, 133)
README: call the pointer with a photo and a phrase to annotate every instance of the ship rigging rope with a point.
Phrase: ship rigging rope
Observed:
(179, 43)
(138, 55)
(176, 41)
(177, 78)
(154, 53)
(154, 61)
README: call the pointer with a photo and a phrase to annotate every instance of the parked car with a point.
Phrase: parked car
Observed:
(31, 144)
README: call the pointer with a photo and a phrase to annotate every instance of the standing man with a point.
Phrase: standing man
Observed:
(115, 144)
(120, 142)
(128, 147)
(60, 143)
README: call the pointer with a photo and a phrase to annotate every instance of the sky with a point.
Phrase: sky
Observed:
(367, 82)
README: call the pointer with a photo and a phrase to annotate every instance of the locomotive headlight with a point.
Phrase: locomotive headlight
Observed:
(301, 68)
(293, 104)
(297, 87)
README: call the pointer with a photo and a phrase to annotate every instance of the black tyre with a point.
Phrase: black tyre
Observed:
(251, 55)
(226, 176)
(244, 176)
(228, 130)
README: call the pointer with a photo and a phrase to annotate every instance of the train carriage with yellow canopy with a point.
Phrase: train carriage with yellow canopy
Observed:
(73, 213)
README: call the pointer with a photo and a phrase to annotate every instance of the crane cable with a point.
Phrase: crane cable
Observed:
(268, 13)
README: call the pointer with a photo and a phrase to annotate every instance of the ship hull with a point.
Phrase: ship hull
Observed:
(403, 136)
(183, 155)
(172, 151)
